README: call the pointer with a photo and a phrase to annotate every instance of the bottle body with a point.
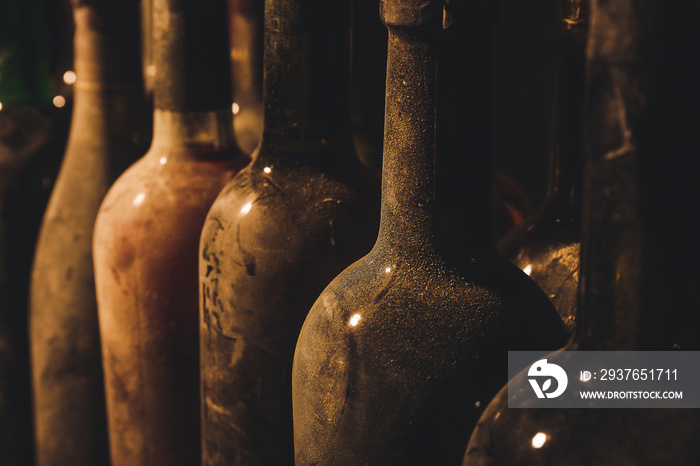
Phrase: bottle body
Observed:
(505, 436)
(272, 241)
(549, 252)
(66, 362)
(393, 365)
(145, 251)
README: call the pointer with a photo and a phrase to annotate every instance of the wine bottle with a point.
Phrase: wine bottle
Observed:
(109, 131)
(147, 237)
(401, 350)
(32, 141)
(246, 40)
(639, 258)
(547, 245)
(279, 232)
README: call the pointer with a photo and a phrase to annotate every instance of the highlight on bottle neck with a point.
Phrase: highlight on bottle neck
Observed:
(191, 55)
(107, 45)
(306, 79)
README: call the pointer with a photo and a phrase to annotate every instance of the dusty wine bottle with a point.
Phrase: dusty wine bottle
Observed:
(278, 234)
(639, 258)
(32, 141)
(147, 238)
(109, 130)
(547, 245)
(401, 350)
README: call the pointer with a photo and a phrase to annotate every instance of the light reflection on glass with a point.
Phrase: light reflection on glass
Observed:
(235, 108)
(59, 101)
(387, 270)
(528, 269)
(539, 440)
(246, 208)
(69, 77)
(267, 169)
(138, 200)
(354, 320)
(0, 105)
(163, 160)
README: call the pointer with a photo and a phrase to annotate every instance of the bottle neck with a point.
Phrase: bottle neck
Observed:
(436, 179)
(107, 46)
(246, 44)
(306, 77)
(639, 253)
(201, 134)
(564, 192)
(109, 88)
(191, 56)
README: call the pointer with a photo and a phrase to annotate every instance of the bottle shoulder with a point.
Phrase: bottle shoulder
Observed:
(166, 189)
(403, 288)
(292, 203)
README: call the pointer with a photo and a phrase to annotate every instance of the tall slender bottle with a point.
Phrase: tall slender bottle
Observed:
(32, 141)
(278, 234)
(639, 255)
(109, 131)
(147, 237)
(401, 350)
(547, 245)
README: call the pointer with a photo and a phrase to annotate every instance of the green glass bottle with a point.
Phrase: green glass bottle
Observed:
(401, 351)
(109, 130)
(639, 257)
(32, 140)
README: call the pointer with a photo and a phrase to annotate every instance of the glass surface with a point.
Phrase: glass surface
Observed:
(638, 266)
(400, 353)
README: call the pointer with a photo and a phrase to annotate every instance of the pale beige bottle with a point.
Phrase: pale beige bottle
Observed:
(147, 236)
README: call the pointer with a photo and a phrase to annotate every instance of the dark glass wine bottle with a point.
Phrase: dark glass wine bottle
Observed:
(639, 256)
(547, 245)
(401, 350)
(32, 141)
(246, 41)
(109, 130)
(279, 232)
(147, 241)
